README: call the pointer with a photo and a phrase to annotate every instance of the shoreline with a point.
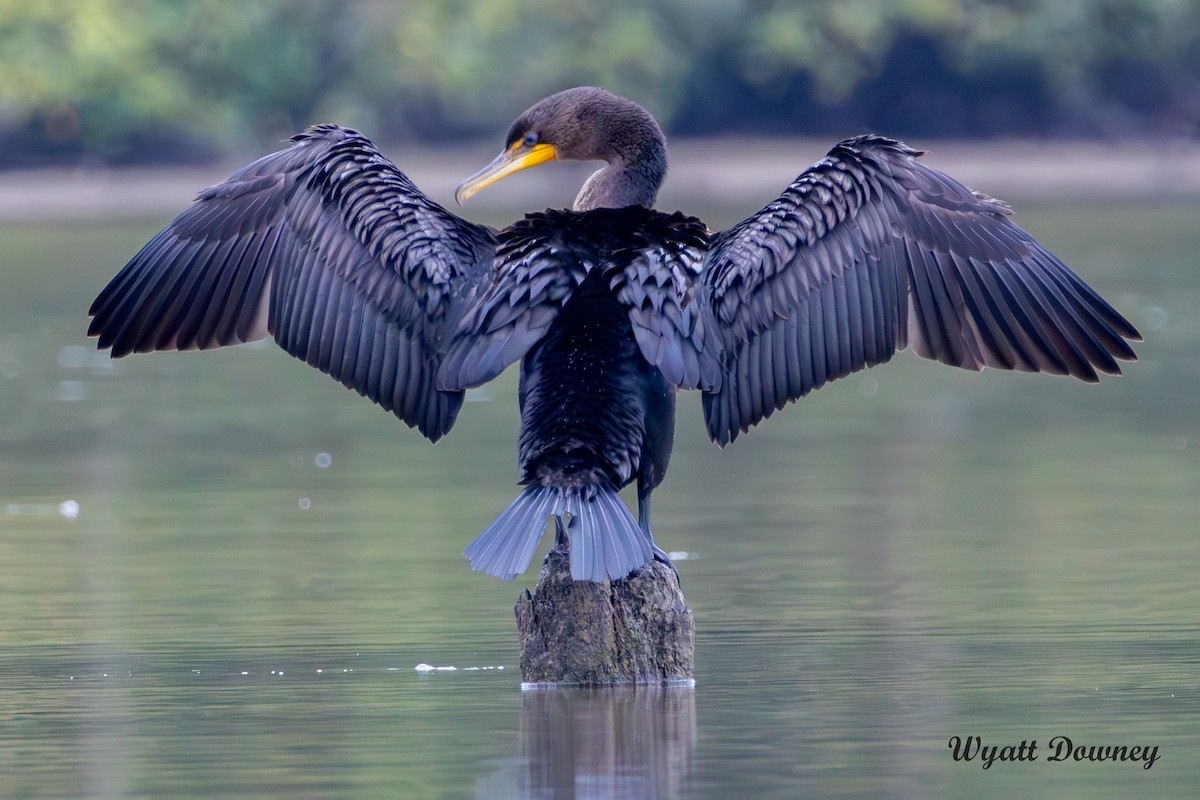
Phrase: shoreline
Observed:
(732, 172)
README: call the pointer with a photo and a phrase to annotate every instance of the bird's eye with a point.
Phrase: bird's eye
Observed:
(530, 139)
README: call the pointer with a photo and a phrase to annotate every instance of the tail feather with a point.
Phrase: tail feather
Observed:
(605, 539)
(506, 547)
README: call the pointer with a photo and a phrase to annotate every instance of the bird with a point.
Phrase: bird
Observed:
(610, 306)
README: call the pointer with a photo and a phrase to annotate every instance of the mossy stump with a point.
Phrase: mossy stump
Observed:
(637, 629)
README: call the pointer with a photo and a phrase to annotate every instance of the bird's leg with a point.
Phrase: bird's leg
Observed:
(560, 538)
(644, 523)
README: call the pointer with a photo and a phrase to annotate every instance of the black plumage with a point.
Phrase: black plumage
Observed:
(610, 306)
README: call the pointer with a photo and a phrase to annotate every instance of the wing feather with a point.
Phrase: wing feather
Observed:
(329, 247)
(869, 252)
(540, 261)
(657, 287)
(651, 262)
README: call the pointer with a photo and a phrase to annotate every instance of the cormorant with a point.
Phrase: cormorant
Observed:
(610, 306)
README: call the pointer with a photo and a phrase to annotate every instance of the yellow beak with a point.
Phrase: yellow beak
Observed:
(514, 159)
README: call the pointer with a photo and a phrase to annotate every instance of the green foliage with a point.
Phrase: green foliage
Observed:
(97, 75)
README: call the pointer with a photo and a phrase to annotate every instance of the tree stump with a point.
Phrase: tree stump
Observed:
(637, 629)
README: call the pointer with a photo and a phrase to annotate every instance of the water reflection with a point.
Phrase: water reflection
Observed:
(618, 742)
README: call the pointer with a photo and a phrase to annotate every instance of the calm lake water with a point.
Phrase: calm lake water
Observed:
(219, 571)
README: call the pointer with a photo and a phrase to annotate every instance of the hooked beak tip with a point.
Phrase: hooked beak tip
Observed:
(510, 161)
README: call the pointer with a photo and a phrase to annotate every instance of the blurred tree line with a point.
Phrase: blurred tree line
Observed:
(163, 80)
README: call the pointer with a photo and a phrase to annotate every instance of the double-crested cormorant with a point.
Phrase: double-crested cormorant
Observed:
(610, 306)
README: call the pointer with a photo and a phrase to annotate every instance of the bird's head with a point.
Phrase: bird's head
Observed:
(580, 124)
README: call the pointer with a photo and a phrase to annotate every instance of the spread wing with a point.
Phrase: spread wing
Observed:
(870, 251)
(330, 248)
(650, 262)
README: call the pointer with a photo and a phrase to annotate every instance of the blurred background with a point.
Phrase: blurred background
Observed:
(219, 570)
(147, 81)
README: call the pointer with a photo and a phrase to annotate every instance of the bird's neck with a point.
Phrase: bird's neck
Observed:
(631, 178)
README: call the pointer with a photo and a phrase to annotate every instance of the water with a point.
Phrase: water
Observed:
(219, 571)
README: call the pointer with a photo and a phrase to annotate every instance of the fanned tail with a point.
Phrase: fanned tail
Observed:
(605, 540)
